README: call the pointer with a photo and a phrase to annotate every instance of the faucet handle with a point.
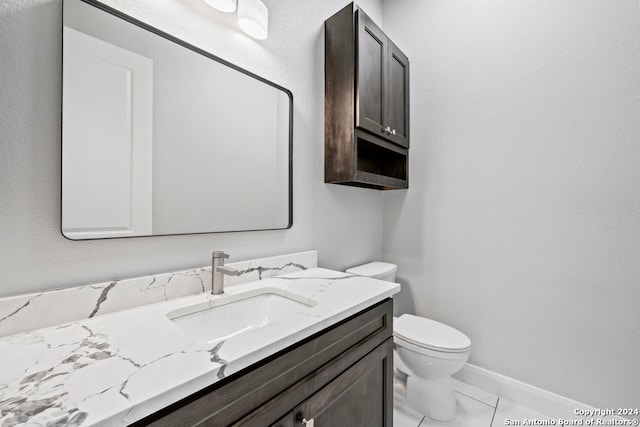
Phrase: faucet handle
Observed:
(219, 254)
(230, 271)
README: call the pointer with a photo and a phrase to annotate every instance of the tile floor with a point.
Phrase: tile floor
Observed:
(476, 408)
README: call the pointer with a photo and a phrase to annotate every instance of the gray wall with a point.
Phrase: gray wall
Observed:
(343, 223)
(522, 224)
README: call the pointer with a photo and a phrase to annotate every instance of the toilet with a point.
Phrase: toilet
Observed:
(427, 352)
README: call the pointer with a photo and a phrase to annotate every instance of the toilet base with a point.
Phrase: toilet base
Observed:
(433, 397)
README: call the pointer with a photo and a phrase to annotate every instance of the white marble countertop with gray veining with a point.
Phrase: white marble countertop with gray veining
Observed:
(118, 368)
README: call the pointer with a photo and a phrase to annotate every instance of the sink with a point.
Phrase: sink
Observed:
(222, 319)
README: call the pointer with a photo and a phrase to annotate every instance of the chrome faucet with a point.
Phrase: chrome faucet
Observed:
(218, 270)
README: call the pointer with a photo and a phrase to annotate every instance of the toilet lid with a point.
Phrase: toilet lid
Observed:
(430, 334)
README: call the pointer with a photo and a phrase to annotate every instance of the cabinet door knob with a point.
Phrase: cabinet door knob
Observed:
(308, 423)
(393, 132)
(387, 129)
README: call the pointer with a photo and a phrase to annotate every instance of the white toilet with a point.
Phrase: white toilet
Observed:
(429, 352)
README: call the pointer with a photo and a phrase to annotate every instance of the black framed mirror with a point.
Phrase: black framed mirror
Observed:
(160, 137)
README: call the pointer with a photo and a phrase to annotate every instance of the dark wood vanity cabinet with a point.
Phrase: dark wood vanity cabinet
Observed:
(358, 396)
(352, 399)
(342, 376)
(366, 104)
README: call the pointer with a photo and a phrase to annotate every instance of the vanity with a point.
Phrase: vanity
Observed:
(342, 375)
(293, 344)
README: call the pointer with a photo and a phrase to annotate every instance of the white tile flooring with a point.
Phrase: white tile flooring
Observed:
(476, 408)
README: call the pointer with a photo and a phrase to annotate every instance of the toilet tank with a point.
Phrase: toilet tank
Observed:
(377, 270)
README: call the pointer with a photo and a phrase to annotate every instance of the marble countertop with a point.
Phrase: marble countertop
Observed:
(120, 367)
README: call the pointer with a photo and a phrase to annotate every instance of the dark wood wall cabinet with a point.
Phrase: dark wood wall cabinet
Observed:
(342, 376)
(366, 104)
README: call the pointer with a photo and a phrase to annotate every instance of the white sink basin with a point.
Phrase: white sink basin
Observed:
(224, 318)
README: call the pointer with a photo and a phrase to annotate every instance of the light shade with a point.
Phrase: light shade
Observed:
(253, 18)
(223, 5)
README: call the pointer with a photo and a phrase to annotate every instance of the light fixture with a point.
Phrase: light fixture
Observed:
(253, 18)
(223, 5)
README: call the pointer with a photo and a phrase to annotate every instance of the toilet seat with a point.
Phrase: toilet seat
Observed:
(429, 334)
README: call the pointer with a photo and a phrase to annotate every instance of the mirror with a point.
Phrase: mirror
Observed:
(160, 137)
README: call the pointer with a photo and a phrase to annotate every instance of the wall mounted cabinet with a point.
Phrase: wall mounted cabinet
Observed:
(366, 104)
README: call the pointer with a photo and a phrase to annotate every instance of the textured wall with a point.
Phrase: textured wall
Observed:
(522, 224)
(343, 223)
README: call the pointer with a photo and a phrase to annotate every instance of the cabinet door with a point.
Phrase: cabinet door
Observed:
(362, 396)
(371, 76)
(398, 97)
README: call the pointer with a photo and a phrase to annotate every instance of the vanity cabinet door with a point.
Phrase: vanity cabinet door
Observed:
(371, 94)
(362, 396)
(357, 397)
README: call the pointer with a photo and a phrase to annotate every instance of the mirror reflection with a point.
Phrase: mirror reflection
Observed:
(161, 138)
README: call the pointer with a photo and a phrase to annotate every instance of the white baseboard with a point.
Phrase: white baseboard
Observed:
(543, 401)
